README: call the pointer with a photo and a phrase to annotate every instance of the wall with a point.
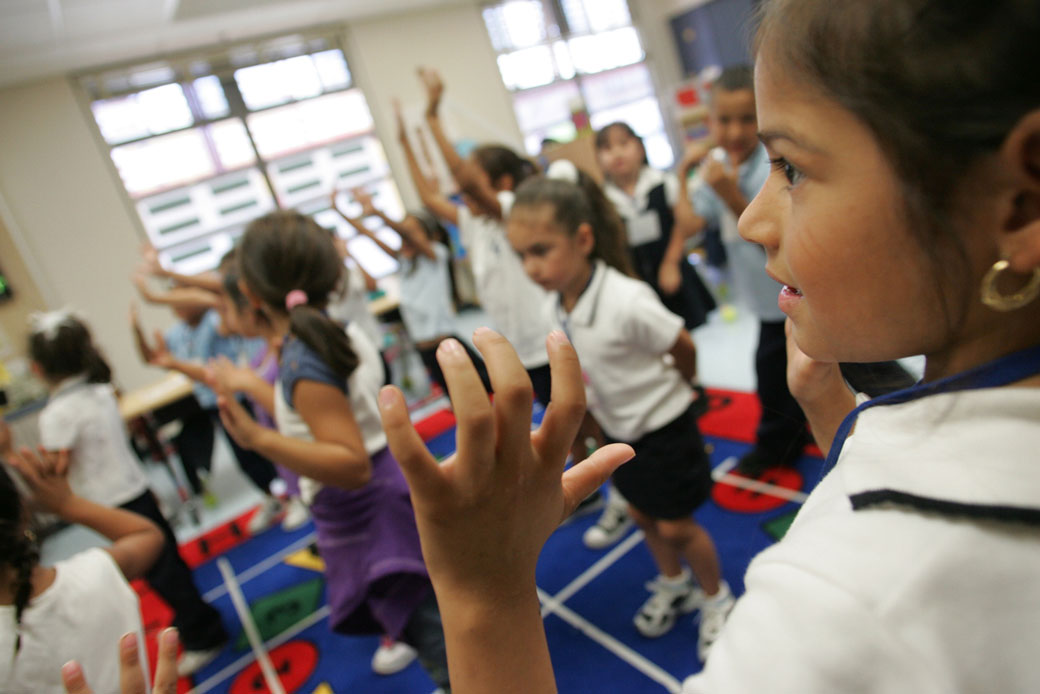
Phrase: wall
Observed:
(385, 53)
(65, 202)
(14, 314)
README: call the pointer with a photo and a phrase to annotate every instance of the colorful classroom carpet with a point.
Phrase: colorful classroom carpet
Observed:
(588, 597)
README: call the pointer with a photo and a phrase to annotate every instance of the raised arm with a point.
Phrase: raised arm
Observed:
(208, 281)
(366, 210)
(158, 355)
(688, 224)
(222, 374)
(430, 195)
(177, 297)
(467, 175)
(485, 512)
(136, 541)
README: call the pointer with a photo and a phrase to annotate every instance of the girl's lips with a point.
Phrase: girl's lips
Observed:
(788, 299)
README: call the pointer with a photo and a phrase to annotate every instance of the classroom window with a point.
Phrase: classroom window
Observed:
(559, 57)
(206, 142)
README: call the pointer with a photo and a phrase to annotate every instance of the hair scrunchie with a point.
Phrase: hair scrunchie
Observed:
(562, 170)
(295, 298)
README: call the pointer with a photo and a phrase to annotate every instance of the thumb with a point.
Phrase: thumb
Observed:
(584, 478)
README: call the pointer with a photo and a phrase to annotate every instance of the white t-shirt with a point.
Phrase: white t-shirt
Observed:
(909, 593)
(362, 392)
(349, 304)
(426, 305)
(643, 225)
(512, 300)
(81, 616)
(622, 333)
(84, 418)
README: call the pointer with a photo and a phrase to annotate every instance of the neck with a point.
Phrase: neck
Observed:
(987, 343)
(627, 182)
(570, 294)
(279, 324)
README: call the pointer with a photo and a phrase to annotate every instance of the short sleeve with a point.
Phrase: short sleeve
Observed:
(671, 189)
(505, 201)
(59, 428)
(648, 324)
(300, 363)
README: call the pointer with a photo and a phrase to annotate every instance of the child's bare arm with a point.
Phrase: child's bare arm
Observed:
(136, 541)
(466, 174)
(820, 390)
(431, 197)
(684, 352)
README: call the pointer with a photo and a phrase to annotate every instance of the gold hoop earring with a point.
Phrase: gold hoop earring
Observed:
(992, 297)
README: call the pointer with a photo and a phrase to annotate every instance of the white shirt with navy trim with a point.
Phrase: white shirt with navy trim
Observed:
(623, 334)
(643, 225)
(918, 590)
(512, 300)
(84, 418)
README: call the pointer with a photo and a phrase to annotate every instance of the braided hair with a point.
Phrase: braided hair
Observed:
(19, 550)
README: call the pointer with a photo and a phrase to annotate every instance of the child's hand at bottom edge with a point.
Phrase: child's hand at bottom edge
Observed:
(484, 513)
(131, 673)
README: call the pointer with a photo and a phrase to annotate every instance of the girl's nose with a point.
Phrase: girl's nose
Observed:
(759, 223)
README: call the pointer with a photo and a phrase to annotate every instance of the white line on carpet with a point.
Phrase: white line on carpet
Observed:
(636, 660)
(262, 566)
(722, 474)
(604, 563)
(285, 636)
(274, 685)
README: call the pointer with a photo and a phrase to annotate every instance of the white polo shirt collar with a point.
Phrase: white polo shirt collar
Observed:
(586, 308)
(969, 454)
(68, 385)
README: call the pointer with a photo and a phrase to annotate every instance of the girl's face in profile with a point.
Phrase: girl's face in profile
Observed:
(552, 258)
(859, 287)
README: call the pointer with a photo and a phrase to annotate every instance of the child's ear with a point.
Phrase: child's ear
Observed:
(1020, 158)
(585, 238)
(505, 182)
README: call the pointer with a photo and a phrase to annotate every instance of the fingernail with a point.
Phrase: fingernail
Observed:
(70, 669)
(559, 337)
(451, 347)
(482, 330)
(168, 638)
(387, 398)
(128, 643)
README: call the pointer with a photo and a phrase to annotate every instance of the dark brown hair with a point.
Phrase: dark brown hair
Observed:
(574, 204)
(604, 133)
(939, 83)
(498, 161)
(18, 548)
(285, 251)
(69, 351)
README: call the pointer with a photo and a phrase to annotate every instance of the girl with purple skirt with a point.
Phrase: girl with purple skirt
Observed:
(329, 432)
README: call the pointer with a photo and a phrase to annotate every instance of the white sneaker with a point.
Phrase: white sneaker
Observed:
(191, 662)
(714, 612)
(612, 525)
(669, 598)
(392, 657)
(296, 514)
(265, 515)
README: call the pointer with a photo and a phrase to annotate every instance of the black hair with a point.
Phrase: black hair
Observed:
(939, 84)
(603, 133)
(498, 161)
(18, 547)
(68, 350)
(286, 251)
(574, 204)
(734, 78)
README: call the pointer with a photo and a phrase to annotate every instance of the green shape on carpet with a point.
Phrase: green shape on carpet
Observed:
(777, 527)
(276, 612)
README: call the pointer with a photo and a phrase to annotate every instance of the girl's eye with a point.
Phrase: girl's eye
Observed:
(790, 172)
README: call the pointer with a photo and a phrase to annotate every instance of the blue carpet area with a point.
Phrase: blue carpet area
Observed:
(594, 645)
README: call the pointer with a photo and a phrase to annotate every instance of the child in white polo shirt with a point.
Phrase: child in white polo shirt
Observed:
(637, 361)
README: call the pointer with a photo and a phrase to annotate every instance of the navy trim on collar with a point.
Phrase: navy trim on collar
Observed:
(953, 509)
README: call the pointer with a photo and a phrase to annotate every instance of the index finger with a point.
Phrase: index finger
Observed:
(131, 676)
(166, 668)
(73, 679)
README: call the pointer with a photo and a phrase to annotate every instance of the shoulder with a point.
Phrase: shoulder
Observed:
(94, 565)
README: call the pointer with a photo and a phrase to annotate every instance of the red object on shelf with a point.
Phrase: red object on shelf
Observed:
(687, 97)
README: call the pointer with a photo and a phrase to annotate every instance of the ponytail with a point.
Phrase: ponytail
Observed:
(291, 265)
(498, 161)
(577, 199)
